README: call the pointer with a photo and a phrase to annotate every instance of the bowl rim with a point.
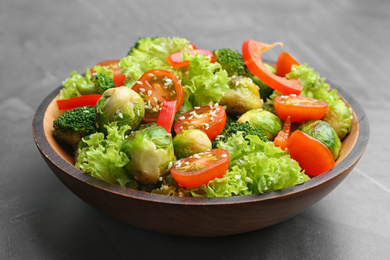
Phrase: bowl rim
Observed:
(349, 161)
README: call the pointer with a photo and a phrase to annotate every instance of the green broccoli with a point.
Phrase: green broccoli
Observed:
(231, 61)
(233, 127)
(139, 43)
(74, 124)
(234, 64)
(96, 85)
(102, 82)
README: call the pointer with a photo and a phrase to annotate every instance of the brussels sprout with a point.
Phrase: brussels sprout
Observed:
(151, 154)
(265, 120)
(339, 117)
(243, 95)
(121, 105)
(323, 132)
(190, 142)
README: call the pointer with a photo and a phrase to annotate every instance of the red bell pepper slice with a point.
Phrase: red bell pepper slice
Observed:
(81, 101)
(167, 115)
(252, 54)
(281, 140)
(284, 63)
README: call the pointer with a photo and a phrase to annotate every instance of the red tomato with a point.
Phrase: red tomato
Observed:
(210, 119)
(284, 64)
(312, 155)
(167, 115)
(71, 103)
(175, 60)
(119, 79)
(156, 87)
(299, 108)
(281, 140)
(201, 168)
(252, 54)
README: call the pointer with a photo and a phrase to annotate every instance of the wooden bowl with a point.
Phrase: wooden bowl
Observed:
(196, 216)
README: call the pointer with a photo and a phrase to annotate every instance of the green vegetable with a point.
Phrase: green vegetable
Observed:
(150, 152)
(231, 61)
(71, 85)
(339, 117)
(255, 167)
(242, 96)
(101, 157)
(121, 105)
(235, 127)
(190, 142)
(314, 86)
(205, 82)
(151, 53)
(265, 120)
(323, 132)
(74, 124)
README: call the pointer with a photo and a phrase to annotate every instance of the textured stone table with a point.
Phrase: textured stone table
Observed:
(41, 42)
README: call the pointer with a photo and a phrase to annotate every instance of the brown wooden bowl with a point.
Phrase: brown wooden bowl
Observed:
(196, 216)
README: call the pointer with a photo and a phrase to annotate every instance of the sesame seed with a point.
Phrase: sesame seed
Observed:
(182, 117)
(224, 155)
(151, 75)
(197, 107)
(142, 89)
(237, 177)
(139, 82)
(149, 93)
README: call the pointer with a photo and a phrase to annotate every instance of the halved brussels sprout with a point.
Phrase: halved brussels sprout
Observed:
(121, 105)
(339, 117)
(243, 95)
(323, 132)
(190, 142)
(151, 154)
(265, 120)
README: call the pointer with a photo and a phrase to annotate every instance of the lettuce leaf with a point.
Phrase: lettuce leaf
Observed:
(205, 82)
(255, 167)
(101, 157)
(69, 85)
(151, 53)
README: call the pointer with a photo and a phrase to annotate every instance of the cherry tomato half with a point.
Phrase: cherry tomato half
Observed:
(175, 60)
(284, 63)
(299, 108)
(119, 79)
(201, 168)
(210, 119)
(252, 54)
(312, 155)
(156, 87)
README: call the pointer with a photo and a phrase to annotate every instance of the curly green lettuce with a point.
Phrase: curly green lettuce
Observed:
(101, 157)
(255, 167)
(206, 82)
(151, 53)
(70, 85)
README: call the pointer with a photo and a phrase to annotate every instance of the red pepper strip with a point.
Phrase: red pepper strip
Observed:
(175, 60)
(284, 63)
(252, 54)
(81, 101)
(167, 115)
(312, 155)
(281, 140)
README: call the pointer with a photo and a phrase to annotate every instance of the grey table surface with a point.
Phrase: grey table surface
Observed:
(41, 42)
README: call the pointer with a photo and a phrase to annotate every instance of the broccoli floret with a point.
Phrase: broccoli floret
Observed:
(74, 124)
(102, 82)
(231, 61)
(244, 127)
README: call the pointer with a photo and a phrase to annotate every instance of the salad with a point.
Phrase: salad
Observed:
(170, 118)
